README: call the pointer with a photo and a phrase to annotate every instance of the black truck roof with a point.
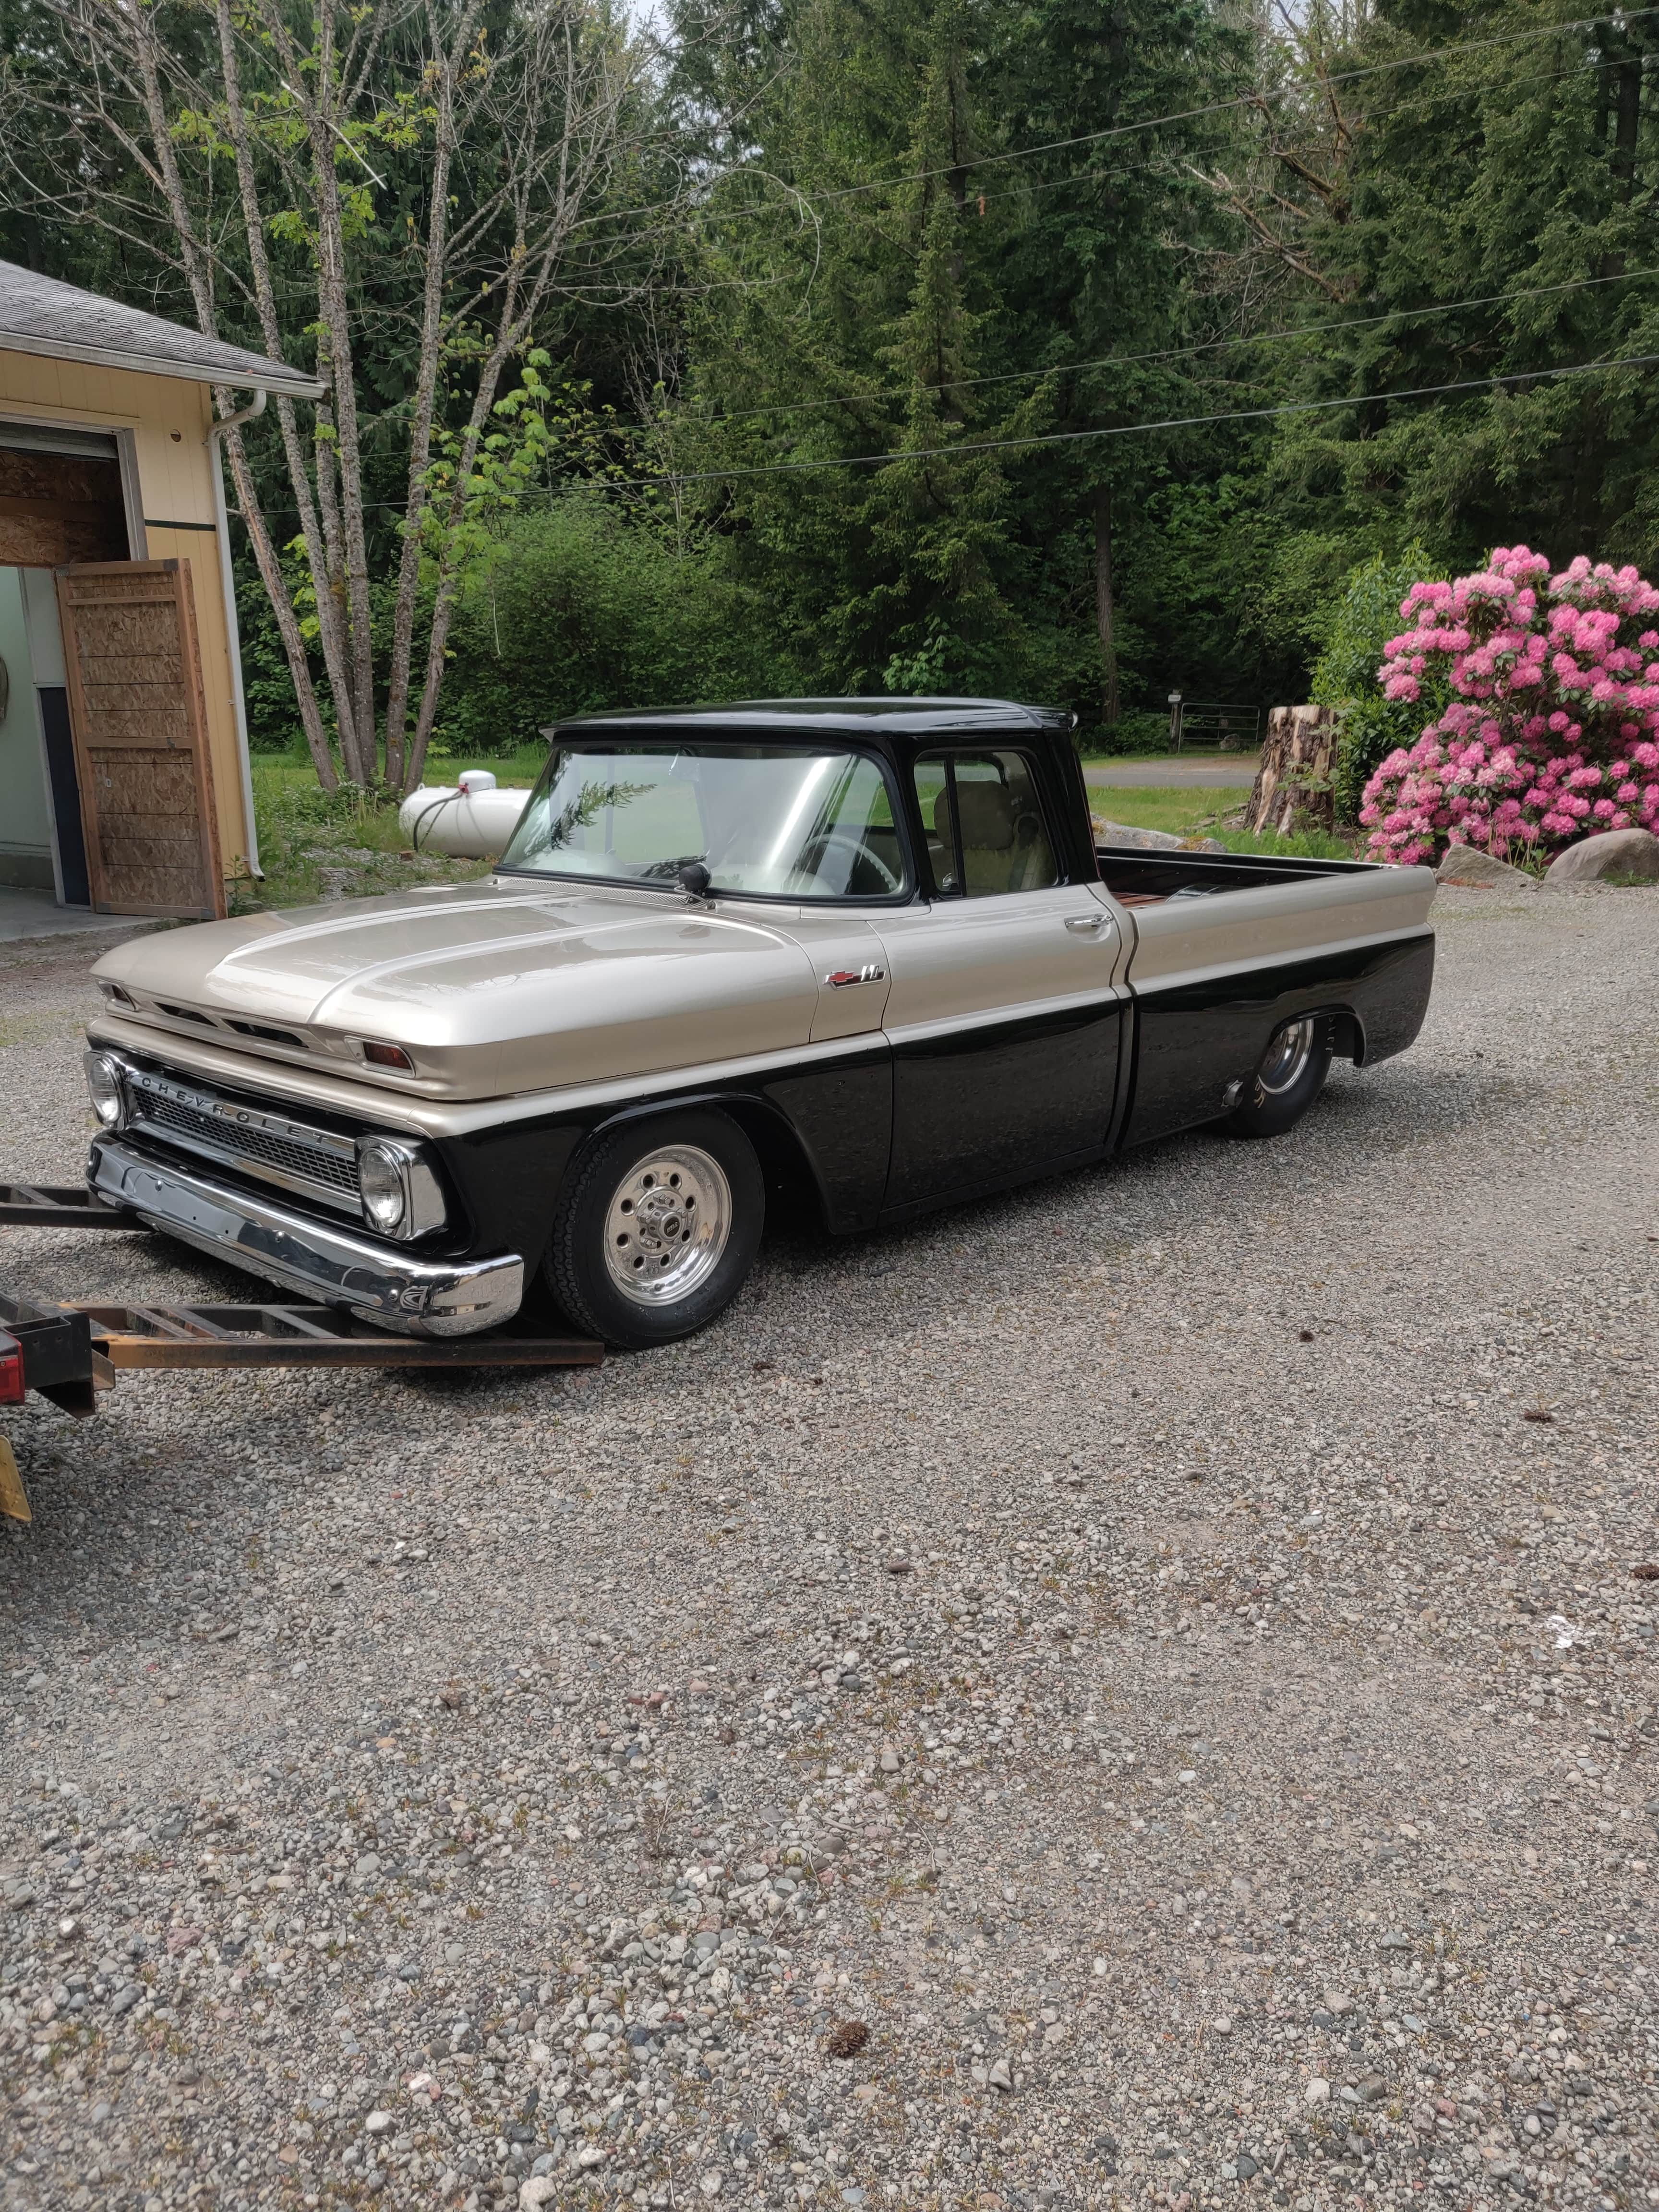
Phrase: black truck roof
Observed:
(795, 718)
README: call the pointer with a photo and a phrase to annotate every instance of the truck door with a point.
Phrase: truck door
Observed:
(1004, 1007)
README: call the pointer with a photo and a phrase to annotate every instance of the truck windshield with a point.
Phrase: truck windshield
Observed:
(766, 820)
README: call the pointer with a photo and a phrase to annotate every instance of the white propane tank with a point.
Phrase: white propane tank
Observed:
(467, 821)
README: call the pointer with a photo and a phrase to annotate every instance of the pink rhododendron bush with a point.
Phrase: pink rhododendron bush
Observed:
(1553, 730)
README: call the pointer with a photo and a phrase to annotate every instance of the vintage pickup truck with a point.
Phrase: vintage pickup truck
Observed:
(863, 950)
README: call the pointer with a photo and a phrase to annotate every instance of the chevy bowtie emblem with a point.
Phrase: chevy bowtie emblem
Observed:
(838, 978)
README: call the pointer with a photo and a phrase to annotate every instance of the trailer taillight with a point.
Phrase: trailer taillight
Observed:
(12, 1385)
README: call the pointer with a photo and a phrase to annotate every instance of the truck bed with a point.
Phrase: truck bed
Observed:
(1135, 877)
(1226, 948)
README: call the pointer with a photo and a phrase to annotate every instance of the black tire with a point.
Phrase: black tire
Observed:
(628, 1229)
(1289, 1077)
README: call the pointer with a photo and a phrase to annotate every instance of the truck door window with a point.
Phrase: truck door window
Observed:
(983, 824)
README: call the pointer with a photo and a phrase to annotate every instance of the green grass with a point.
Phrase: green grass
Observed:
(1157, 806)
(304, 830)
(1188, 813)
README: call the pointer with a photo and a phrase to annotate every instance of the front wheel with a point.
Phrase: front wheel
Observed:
(1289, 1077)
(657, 1229)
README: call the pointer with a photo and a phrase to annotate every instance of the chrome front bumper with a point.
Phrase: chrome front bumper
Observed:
(421, 1297)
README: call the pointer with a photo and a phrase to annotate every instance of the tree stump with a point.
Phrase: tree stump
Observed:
(1293, 784)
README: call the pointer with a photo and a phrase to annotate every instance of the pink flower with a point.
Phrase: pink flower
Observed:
(1528, 662)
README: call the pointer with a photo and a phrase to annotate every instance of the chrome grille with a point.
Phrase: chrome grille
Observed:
(318, 1162)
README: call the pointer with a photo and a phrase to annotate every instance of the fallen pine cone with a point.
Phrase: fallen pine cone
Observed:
(846, 2039)
(1647, 1572)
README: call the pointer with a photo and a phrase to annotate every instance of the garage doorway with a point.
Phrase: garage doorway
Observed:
(103, 740)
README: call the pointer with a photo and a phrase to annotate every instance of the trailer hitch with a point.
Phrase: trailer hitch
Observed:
(71, 1351)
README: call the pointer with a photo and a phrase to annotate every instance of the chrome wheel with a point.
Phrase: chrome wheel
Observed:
(1286, 1058)
(667, 1224)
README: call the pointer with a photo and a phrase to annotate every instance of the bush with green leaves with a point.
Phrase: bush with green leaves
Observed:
(1345, 676)
(584, 607)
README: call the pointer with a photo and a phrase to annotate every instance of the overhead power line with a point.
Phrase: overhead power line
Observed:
(1171, 352)
(1242, 100)
(1180, 116)
(1140, 429)
(1060, 437)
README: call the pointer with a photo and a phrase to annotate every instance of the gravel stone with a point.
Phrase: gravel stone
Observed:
(480, 1750)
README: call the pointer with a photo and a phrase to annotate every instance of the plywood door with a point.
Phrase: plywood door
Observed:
(59, 507)
(140, 728)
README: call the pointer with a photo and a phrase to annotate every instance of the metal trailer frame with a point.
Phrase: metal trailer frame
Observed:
(72, 1351)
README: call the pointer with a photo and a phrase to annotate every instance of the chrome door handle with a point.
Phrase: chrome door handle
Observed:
(1087, 925)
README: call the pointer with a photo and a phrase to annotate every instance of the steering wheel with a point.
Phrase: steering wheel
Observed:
(860, 851)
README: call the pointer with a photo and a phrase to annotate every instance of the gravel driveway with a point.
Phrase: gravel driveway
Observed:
(1119, 1662)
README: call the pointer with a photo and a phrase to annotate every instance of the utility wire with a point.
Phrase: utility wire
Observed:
(1059, 437)
(1257, 94)
(1172, 353)
(1242, 99)
(1137, 429)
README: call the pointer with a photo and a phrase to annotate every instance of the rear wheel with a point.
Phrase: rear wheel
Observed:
(1289, 1077)
(657, 1228)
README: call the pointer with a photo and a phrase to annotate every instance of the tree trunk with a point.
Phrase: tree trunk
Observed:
(421, 411)
(1109, 699)
(1293, 782)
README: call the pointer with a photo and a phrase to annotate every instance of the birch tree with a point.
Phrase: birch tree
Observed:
(465, 173)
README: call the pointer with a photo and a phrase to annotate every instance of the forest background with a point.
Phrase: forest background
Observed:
(1074, 351)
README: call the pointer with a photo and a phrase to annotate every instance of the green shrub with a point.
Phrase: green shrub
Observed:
(1345, 675)
(584, 608)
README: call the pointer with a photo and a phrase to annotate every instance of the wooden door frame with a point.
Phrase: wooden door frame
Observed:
(195, 703)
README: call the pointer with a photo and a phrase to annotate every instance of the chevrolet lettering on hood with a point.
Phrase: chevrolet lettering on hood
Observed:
(857, 957)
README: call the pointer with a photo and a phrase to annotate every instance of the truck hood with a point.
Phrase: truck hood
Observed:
(489, 988)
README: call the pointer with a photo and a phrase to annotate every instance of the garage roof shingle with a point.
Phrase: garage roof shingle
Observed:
(39, 315)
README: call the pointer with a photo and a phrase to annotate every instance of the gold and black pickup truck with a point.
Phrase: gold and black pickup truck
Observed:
(865, 948)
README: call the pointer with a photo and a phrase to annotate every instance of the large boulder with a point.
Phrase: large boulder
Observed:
(1150, 841)
(1623, 855)
(1471, 869)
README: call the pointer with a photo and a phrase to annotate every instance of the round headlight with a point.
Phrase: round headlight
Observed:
(109, 1098)
(382, 1177)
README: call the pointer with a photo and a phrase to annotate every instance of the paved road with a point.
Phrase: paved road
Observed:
(1181, 771)
(1102, 1643)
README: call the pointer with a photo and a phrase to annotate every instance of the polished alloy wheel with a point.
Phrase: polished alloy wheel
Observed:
(667, 1224)
(1286, 1057)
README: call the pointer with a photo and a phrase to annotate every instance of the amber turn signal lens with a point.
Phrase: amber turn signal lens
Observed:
(388, 1055)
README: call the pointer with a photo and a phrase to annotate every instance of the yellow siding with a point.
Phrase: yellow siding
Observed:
(169, 418)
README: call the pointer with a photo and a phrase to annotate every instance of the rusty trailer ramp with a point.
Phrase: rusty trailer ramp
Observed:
(60, 1205)
(262, 1334)
(71, 1351)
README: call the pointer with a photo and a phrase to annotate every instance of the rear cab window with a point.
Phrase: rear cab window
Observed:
(982, 823)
